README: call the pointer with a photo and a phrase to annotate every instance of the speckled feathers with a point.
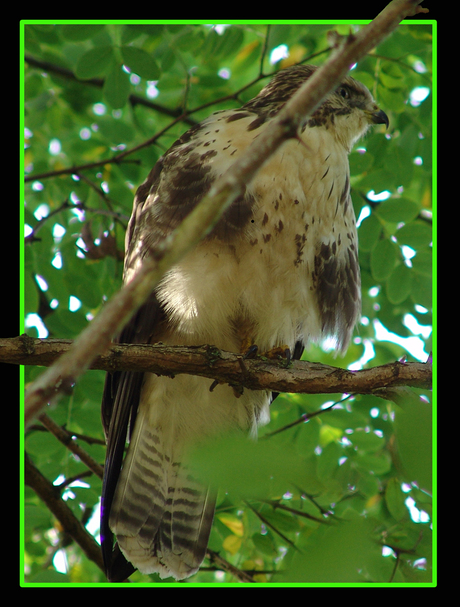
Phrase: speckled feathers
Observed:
(279, 268)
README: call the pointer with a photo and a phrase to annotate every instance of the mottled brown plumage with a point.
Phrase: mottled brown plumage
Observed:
(280, 267)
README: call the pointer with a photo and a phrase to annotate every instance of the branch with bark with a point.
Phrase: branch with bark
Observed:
(95, 340)
(223, 367)
(50, 495)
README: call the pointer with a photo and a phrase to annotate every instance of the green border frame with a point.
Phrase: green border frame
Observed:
(22, 25)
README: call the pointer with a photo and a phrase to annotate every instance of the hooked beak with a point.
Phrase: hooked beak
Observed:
(378, 117)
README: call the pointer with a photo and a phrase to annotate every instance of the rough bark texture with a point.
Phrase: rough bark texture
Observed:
(225, 367)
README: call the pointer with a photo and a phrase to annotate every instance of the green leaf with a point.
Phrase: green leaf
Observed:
(36, 516)
(338, 555)
(383, 259)
(394, 499)
(117, 87)
(81, 32)
(225, 463)
(400, 163)
(392, 82)
(399, 284)
(94, 62)
(415, 234)
(141, 62)
(31, 300)
(42, 446)
(391, 69)
(167, 60)
(369, 232)
(230, 41)
(367, 442)
(246, 58)
(50, 576)
(380, 180)
(414, 439)
(188, 39)
(131, 32)
(264, 543)
(368, 483)
(281, 520)
(341, 418)
(422, 290)
(379, 463)
(365, 78)
(422, 263)
(398, 210)
(392, 100)
(360, 162)
(329, 460)
(63, 323)
(115, 131)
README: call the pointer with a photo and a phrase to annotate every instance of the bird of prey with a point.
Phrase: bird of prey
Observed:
(280, 268)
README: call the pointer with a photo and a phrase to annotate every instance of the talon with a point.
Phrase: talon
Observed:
(287, 354)
(213, 385)
(237, 390)
(251, 352)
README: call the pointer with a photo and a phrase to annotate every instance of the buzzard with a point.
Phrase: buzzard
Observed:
(280, 268)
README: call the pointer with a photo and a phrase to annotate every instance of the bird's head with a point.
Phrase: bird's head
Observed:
(348, 111)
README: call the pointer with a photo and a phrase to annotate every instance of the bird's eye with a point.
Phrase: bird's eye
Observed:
(344, 92)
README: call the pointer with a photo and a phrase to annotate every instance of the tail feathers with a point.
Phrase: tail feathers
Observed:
(162, 516)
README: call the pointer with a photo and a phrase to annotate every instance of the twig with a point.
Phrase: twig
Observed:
(66, 438)
(267, 523)
(277, 505)
(221, 563)
(91, 440)
(305, 417)
(116, 159)
(94, 340)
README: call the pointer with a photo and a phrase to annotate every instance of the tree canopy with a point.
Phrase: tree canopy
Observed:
(328, 494)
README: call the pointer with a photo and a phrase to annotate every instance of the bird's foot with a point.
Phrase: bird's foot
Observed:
(280, 353)
(277, 353)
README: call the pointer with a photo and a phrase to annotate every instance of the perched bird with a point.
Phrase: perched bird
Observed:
(280, 268)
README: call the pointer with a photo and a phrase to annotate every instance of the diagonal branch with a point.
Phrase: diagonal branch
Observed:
(50, 495)
(66, 438)
(220, 563)
(94, 340)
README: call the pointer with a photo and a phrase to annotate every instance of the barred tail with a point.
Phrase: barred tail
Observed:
(161, 516)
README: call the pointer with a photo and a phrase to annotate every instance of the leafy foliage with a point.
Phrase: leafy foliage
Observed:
(342, 498)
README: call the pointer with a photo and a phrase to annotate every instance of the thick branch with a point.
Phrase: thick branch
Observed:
(225, 367)
(96, 338)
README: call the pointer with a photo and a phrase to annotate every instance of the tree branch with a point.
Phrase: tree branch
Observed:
(94, 340)
(66, 438)
(226, 367)
(50, 495)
